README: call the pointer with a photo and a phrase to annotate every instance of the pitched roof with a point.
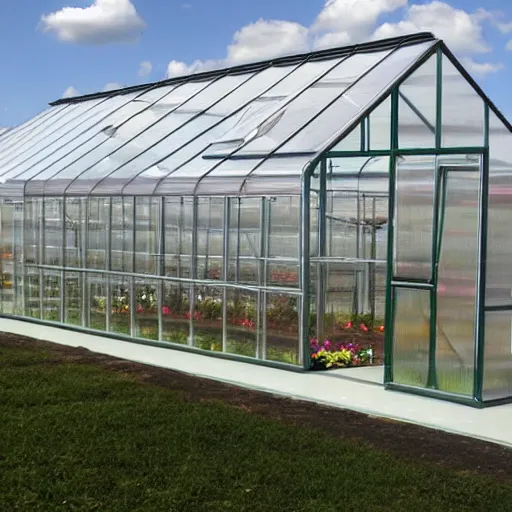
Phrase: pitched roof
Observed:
(249, 129)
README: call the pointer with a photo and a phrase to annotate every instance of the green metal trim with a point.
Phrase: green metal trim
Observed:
(362, 135)
(389, 312)
(470, 150)
(437, 236)
(321, 251)
(498, 309)
(304, 267)
(482, 273)
(159, 344)
(439, 98)
(436, 394)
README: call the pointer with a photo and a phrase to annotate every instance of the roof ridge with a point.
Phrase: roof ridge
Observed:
(329, 53)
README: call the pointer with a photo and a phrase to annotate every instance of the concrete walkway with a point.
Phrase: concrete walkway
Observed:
(356, 389)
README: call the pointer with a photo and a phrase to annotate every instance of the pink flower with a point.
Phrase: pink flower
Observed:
(363, 328)
(139, 309)
(166, 311)
(348, 325)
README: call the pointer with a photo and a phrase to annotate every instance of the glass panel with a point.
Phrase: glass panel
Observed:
(353, 103)
(463, 110)
(75, 222)
(207, 318)
(281, 316)
(242, 323)
(175, 313)
(499, 227)
(73, 298)
(245, 240)
(411, 337)
(147, 237)
(146, 309)
(417, 108)
(351, 141)
(414, 211)
(51, 296)
(284, 227)
(97, 296)
(122, 234)
(457, 272)
(380, 125)
(120, 303)
(498, 355)
(210, 237)
(53, 231)
(32, 293)
(178, 236)
(98, 212)
(32, 226)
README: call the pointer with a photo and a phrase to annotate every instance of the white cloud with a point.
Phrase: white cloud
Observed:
(343, 22)
(261, 40)
(353, 19)
(112, 86)
(481, 68)
(186, 5)
(266, 39)
(70, 92)
(103, 22)
(145, 68)
(509, 45)
(462, 31)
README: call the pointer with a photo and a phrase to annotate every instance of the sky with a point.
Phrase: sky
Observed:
(57, 48)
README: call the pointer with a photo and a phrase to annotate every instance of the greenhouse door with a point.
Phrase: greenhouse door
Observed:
(435, 270)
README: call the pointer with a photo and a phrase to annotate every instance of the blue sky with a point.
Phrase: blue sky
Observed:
(82, 46)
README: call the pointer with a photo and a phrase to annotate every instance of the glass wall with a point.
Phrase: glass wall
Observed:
(214, 273)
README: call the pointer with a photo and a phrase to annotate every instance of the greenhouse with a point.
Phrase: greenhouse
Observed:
(357, 196)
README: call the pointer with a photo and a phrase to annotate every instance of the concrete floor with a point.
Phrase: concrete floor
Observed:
(357, 389)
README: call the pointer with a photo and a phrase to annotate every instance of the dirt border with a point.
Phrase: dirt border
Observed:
(402, 439)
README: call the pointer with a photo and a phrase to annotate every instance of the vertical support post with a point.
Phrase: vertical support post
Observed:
(85, 313)
(133, 326)
(108, 257)
(193, 269)
(161, 264)
(478, 390)
(63, 259)
(439, 98)
(304, 269)
(23, 262)
(261, 317)
(42, 256)
(321, 296)
(389, 321)
(225, 271)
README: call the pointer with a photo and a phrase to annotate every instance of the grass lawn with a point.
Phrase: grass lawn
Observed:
(76, 436)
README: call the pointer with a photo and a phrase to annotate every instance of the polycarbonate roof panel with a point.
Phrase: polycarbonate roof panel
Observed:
(248, 130)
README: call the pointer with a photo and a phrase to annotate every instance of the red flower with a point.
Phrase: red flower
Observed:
(139, 309)
(348, 325)
(381, 328)
(363, 328)
(166, 311)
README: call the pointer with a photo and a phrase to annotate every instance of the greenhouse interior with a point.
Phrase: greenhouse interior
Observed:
(281, 212)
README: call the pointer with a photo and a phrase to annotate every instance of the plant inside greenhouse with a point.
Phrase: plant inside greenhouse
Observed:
(341, 208)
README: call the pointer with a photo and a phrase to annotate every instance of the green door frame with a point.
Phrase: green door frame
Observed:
(441, 172)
